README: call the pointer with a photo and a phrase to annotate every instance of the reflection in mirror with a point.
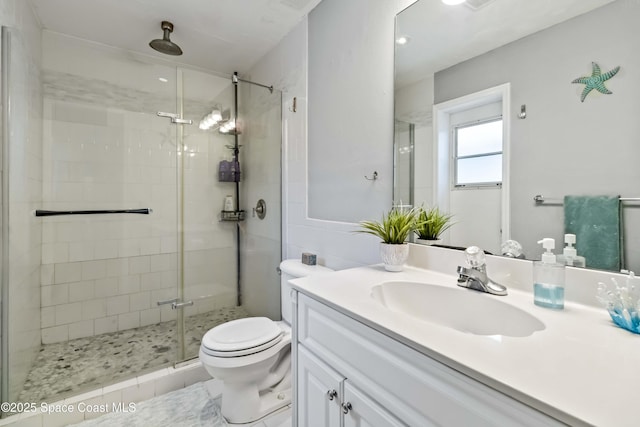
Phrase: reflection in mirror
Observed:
(345, 151)
(472, 174)
(403, 162)
(561, 147)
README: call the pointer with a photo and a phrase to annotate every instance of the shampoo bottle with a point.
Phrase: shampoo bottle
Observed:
(229, 205)
(570, 255)
(548, 278)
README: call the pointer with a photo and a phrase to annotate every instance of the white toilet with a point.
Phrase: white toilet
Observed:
(252, 356)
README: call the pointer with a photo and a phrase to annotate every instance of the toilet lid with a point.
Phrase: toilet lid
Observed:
(241, 337)
(244, 352)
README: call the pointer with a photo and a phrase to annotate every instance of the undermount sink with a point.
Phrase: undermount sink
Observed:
(462, 309)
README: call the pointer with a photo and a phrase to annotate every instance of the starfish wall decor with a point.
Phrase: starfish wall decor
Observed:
(596, 81)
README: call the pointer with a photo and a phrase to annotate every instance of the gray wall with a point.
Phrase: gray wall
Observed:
(350, 109)
(565, 147)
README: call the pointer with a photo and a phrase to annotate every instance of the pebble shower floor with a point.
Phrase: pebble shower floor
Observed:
(79, 365)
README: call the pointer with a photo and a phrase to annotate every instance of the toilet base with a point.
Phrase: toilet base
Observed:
(282, 418)
(270, 403)
(243, 406)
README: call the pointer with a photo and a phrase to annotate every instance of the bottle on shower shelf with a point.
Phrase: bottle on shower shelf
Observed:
(229, 206)
(224, 171)
(234, 169)
(229, 169)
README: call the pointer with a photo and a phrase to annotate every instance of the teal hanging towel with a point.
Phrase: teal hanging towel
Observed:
(595, 220)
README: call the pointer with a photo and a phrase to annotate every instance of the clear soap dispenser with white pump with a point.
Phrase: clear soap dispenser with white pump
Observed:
(570, 255)
(548, 278)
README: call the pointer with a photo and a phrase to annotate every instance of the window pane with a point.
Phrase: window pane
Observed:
(479, 139)
(478, 170)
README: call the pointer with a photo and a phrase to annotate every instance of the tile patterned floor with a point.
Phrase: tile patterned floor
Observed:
(193, 406)
(68, 368)
(187, 407)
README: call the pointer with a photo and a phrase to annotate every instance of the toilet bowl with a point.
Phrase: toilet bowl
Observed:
(252, 359)
(252, 356)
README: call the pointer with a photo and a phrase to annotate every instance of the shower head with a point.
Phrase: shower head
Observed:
(164, 45)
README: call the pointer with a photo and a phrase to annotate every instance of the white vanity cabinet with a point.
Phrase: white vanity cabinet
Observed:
(326, 397)
(319, 391)
(349, 374)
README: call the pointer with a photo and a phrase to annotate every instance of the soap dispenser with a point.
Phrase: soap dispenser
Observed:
(570, 255)
(548, 278)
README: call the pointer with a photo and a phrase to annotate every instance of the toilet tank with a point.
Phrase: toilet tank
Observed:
(293, 269)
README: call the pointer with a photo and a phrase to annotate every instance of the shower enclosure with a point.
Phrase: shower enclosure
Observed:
(94, 298)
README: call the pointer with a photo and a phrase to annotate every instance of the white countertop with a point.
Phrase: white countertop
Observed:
(581, 369)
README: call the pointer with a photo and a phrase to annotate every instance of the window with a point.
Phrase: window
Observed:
(478, 153)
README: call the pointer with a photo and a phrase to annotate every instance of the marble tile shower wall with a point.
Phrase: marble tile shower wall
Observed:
(105, 273)
(105, 148)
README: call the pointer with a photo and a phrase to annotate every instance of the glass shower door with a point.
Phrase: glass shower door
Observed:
(230, 259)
(106, 148)
(260, 123)
(209, 255)
(21, 192)
(103, 147)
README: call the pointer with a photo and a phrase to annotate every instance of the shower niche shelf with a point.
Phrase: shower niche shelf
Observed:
(232, 215)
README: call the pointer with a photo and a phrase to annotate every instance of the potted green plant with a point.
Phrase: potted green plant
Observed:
(430, 225)
(393, 230)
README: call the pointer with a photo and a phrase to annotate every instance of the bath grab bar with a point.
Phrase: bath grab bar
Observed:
(145, 211)
(541, 200)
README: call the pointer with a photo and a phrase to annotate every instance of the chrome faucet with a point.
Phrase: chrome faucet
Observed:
(474, 276)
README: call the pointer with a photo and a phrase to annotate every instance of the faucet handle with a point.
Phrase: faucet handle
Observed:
(475, 257)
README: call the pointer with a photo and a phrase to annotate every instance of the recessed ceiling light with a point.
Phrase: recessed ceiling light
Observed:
(402, 40)
(453, 2)
(162, 79)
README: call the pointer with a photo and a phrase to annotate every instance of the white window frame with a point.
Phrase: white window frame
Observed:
(455, 157)
(441, 136)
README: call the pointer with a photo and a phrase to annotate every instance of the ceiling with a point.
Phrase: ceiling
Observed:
(232, 35)
(441, 36)
(216, 35)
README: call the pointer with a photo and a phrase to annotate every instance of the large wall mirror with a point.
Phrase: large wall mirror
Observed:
(499, 73)
(349, 111)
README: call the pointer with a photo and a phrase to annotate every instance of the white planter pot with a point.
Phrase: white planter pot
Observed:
(394, 256)
(428, 242)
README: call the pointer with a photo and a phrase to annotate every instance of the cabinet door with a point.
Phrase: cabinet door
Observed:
(361, 411)
(319, 392)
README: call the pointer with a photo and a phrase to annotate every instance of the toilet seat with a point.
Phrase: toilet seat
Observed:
(242, 337)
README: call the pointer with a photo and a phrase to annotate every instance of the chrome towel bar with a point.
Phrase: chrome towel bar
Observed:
(541, 200)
